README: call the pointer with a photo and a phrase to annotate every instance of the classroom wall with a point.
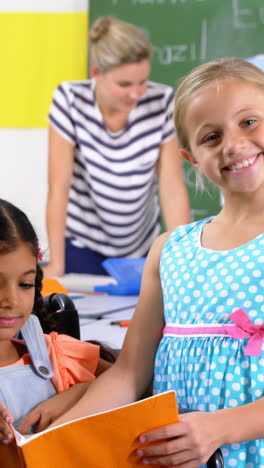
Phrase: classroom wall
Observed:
(42, 48)
(23, 175)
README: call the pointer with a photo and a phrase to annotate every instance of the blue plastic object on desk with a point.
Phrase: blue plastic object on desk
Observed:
(127, 272)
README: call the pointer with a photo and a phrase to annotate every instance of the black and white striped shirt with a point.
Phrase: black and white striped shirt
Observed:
(113, 202)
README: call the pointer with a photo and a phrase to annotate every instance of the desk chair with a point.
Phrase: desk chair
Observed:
(63, 311)
(216, 460)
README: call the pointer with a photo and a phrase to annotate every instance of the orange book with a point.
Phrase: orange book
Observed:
(107, 439)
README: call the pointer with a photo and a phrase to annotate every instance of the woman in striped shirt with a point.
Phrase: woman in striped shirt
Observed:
(109, 139)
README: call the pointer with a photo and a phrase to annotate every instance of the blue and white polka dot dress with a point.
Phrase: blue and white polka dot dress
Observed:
(202, 286)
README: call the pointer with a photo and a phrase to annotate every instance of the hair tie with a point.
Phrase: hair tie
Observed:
(40, 255)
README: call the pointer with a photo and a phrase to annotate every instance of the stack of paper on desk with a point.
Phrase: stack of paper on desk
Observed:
(104, 440)
(96, 306)
(83, 282)
(125, 278)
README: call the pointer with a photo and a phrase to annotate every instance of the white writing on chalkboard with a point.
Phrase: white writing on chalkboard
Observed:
(190, 177)
(245, 18)
(197, 213)
(158, 2)
(168, 53)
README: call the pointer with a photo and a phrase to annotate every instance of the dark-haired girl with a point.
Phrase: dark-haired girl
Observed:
(38, 366)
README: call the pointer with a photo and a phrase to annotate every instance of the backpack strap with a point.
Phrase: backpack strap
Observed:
(35, 341)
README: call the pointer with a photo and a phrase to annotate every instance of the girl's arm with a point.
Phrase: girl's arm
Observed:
(50, 410)
(129, 377)
(45, 413)
(172, 190)
(61, 155)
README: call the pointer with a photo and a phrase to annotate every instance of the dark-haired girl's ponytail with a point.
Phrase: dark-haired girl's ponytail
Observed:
(47, 322)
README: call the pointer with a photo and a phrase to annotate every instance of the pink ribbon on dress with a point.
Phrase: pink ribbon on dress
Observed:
(244, 328)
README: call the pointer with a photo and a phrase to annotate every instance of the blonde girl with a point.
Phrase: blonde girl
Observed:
(199, 324)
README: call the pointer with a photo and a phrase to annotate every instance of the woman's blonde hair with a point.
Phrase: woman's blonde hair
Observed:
(204, 75)
(114, 42)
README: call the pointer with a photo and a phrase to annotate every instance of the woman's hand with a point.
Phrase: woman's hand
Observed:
(50, 410)
(6, 435)
(187, 444)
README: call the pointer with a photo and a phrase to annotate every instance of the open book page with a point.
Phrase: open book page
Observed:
(11, 455)
(20, 439)
(108, 439)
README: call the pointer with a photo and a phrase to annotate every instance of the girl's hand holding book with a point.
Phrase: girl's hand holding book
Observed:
(6, 435)
(189, 442)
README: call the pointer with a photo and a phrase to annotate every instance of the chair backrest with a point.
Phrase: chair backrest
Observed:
(63, 311)
(216, 460)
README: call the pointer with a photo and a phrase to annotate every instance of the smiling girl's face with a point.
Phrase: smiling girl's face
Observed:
(17, 289)
(225, 126)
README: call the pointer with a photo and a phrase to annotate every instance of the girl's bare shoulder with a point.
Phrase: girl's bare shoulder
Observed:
(153, 257)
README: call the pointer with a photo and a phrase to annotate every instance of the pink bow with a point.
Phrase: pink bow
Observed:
(244, 329)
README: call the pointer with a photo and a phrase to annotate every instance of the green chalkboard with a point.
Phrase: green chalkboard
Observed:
(186, 33)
